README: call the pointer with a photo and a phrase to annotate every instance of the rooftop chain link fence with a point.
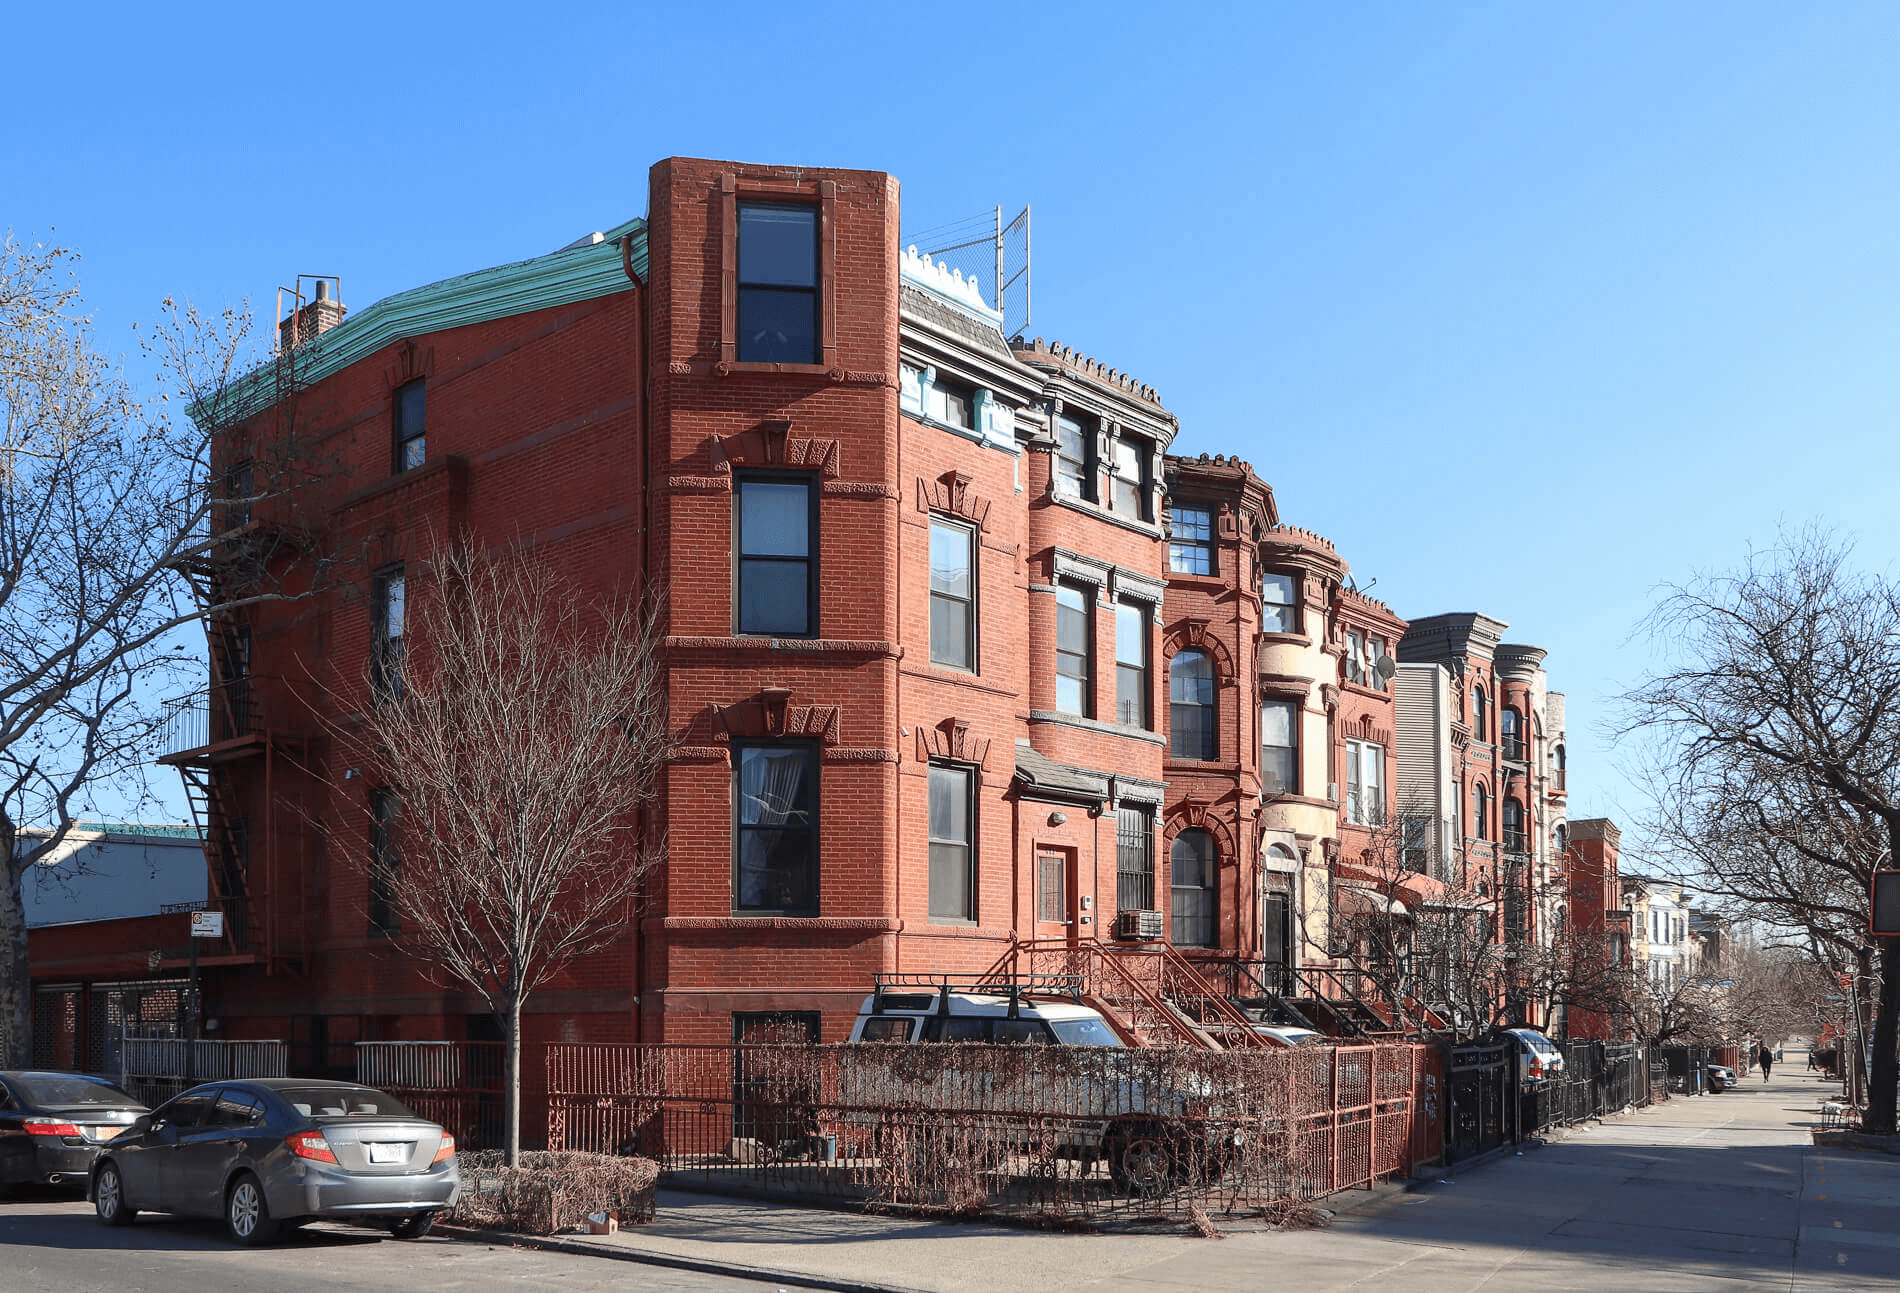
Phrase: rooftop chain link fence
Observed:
(1049, 1133)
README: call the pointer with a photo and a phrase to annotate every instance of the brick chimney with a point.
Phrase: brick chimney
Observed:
(320, 315)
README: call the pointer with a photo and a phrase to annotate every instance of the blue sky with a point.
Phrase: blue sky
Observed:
(1529, 307)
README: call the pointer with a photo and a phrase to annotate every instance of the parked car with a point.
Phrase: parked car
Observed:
(1538, 1058)
(1721, 1076)
(52, 1125)
(273, 1153)
(1114, 1113)
(1291, 1035)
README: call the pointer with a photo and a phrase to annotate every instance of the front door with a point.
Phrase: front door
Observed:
(1056, 914)
(1276, 940)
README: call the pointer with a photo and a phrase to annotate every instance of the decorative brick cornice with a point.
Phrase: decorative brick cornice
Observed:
(410, 362)
(870, 648)
(699, 754)
(859, 489)
(772, 444)
(951, 740)
(1056, 352)
(950, 493)
(859, 754)
(770, 714)
(824, 924)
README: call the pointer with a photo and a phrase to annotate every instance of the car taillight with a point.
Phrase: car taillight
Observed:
(311, 1145)
(447, 1149)
(50, 1129)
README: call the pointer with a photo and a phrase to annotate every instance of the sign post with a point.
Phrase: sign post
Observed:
(204, 924)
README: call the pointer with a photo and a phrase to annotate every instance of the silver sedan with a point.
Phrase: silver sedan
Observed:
(268, 1154)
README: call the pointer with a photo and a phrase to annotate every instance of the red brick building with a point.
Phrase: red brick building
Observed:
(924, 619)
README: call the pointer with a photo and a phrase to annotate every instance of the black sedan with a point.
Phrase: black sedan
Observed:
(52, 1125)
(270, 1153)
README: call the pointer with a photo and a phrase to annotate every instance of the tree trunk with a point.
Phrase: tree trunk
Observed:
(16, 984)
(1883, 1081)
(511, 1098)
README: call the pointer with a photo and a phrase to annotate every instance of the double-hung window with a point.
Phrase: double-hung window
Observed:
(777, 541)
(1075, 457)
(1134, 860)
(1191, 730)
(1280, 609)
(1280, 747)
(778, 283)
(239, 486)
(1375, 652)
(1131, 664)
(1480, 720)
(1075, 649)
(952, 838)
(952, 595)
(1191, 540)
(1191, 889)
(775, 828)
(1511, 733)
(385, 860)
(386, 648)
(1128, 478)
(1365, 783)
(1511, 814)
(411, 408)
(1356, 670)
(951, 403)
(1480, 813)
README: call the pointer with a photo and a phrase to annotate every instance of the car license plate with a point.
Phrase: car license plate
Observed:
(388, 1152)
(104, 1133)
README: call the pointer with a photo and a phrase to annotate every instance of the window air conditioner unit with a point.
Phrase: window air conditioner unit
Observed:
(1138, 926)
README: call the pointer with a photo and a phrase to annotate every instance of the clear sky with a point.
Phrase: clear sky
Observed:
(1529, 307)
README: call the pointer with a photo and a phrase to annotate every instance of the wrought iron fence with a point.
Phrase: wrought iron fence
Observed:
(460, 1085)
(157, 1068)
(1598, 1078)
(1479, 1085)
(1053, 1132)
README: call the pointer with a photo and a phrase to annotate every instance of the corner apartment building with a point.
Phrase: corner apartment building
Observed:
(939, 679)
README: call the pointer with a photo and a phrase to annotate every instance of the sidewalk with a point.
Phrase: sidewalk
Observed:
(1708, 1192)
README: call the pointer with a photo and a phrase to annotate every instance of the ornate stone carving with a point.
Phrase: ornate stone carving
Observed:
(770, 714)
(772, 444)
(950, 492)
(951, 739)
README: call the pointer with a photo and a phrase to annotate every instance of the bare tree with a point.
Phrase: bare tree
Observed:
(103, 502)
(1775, 734)
(518, 739)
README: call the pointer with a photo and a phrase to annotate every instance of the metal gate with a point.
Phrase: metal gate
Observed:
(1477, 1114)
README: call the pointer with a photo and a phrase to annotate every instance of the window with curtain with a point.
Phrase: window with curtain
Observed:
(1134, 860)
(952, 595)
(1075, 456)
(1191, 891)
(1128, 477)
(1191, 540)
(1192, 733)
(1280, 747)
(1075, 649)
(1131, 664)
(952, 836)
(411, 431)
(1365, 783)
(1511, 732)
(1356, 657)
(1280, 609)
(775, 829)
(777, 527)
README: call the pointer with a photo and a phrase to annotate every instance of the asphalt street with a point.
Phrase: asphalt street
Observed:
(1721, 1192)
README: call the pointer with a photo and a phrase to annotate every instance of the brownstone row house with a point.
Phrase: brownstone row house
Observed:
(959, 656)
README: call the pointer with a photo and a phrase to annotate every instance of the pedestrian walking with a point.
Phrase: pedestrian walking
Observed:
(1811, 1064)
(1767, 1062)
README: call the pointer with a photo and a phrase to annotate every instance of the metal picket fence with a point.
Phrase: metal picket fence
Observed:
(157, 1068)
(1049, 1132)
(457, 1084)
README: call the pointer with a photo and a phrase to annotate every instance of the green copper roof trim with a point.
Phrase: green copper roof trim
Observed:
(558, 278)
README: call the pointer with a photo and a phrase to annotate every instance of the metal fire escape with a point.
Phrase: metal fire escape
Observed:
(217, 738)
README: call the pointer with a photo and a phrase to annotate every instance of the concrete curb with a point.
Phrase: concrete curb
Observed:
(734, 1270)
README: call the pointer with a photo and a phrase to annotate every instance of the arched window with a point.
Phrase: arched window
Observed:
(1480, 813)
(1191, 730)
(1192, 863)
(1557, 761)
(1559, 840)
(1511, 730)
(1513, 814)
(1480, 726)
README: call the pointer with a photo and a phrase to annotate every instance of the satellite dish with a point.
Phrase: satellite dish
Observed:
(1385, 666)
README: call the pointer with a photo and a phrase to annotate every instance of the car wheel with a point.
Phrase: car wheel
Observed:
(108, 1197)
(1141, 1161)
(246, 1214)
(414, 1227)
